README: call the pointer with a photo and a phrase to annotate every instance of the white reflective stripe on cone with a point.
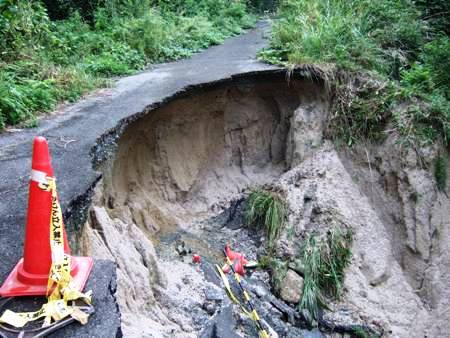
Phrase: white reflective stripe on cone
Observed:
(39, 176)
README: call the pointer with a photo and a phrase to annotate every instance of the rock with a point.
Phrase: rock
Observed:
(209, 307)
(296, 333)
(233, 217)
(181, 248)
(291, 288)
(289, 312)
(221, 326)
(260, 290)
(214, 294)
(210, 273)
(297, 266)
(255, 286)
(307, 316)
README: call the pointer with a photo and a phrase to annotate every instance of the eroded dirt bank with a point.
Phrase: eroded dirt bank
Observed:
(181, 165)
(196, 152)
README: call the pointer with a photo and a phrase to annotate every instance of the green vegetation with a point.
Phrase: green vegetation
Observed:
(440, 172)
(390, 57)
(325, 260)
(45, 60)
(263, 6)
(322, 259)
(278, 270)
(266, 209)
(360, 332)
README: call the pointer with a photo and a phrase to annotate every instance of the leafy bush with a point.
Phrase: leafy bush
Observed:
(325, 260)
(395, 43)
(353, 34)
(44, 62)
(23, 27)
(428, 80)
(263, 5)
(266, 209)
(436, 13)
(117, 59)
(29, 86)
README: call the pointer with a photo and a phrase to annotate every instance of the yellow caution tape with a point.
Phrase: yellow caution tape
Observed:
(60, 289)
(253, 315)
(20, 319)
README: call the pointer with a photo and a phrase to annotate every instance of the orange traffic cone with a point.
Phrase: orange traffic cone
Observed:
(30, 276)
(238, 267)
(233, 255)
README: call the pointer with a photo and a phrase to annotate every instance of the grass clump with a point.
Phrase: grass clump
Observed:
(266, 209)
(45, 60)
(387, 54)
(440, 172)
(325, 260)
(360, 332)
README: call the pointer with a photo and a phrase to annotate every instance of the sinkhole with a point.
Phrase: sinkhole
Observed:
(177, 167)
(184, 159)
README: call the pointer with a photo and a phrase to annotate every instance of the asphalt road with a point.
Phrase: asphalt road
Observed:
(85, 133)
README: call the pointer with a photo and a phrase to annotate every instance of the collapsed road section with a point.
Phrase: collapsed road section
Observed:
(180, 165)
(178, 184)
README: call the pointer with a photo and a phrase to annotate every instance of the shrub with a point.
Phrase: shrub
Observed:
(436, 13)
(13, 103)
(266, 209)
(353, 34)
(325, 260)
(44, 62)
(261, 6)
(397, 43)
(117, 59)
(23, 27)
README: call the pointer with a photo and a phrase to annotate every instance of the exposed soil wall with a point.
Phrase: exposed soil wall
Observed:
(401, 188)
(187, 157)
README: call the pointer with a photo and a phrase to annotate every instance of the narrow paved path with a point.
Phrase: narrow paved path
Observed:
(74, 132)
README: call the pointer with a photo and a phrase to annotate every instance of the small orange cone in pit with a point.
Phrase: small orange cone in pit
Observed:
(234, 255)
(237, 259)
(196, 259)
(238, 267)
(30, 275)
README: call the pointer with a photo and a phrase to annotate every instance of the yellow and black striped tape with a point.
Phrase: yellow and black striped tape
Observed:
(252, 314)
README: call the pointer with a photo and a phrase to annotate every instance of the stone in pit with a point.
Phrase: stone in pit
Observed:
(291, 288)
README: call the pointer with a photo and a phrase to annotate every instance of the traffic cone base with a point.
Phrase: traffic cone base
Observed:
(22, 283)
(30, 276)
